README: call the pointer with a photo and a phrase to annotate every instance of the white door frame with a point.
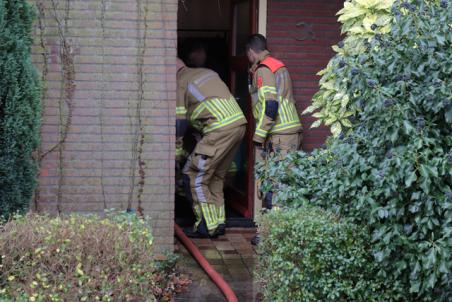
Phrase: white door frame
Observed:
(262, 18)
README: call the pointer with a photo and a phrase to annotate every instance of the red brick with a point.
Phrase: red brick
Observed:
(105, 93)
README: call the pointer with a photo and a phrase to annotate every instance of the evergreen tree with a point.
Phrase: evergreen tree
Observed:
(19, 107)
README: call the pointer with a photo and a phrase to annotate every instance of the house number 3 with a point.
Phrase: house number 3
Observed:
(306, 31)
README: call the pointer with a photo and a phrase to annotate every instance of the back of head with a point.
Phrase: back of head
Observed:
(194, 53)
(256, 42)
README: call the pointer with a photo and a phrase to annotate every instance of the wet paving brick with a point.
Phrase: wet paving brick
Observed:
(232, 256)
(230, 252)
(242, 245)
(224, 246)
(211, 254)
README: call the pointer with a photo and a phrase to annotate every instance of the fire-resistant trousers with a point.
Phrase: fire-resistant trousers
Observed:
(205, 173)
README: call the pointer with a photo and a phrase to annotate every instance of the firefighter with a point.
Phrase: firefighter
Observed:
(204, 101)
(278, 127)
(195, 56)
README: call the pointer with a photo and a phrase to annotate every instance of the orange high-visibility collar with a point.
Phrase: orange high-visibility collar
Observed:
(272, 63)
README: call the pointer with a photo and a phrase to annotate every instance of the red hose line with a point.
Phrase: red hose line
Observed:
(213, 274)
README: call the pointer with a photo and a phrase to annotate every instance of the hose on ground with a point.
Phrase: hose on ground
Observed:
(213, 274)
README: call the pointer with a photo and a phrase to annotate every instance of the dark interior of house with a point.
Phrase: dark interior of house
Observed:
(220, 28)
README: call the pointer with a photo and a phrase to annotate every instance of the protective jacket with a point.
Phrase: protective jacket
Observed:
(204, 101)
(273, 102)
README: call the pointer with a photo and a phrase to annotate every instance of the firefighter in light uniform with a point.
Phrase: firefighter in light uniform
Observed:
(204, 101)
(278, 127)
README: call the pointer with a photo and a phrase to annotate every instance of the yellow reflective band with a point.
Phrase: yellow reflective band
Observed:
(197, 125)
(261, 133)
(259, 109)
(205, 213)
(198, 110)
(284, 114)
(256, 110)
(215, 112)
(209, 217)
(181, 110)
(223, 123)
(233, 167)
(213, 211)
(220, 211)
(237, 107)
(198, 214)
(223, 107)
(181, 152)
(231, 105)
(220, 218)
(220, 103)
(292, 112)
(225, 111)
(267, 89)
(282, 127)
(234, 107)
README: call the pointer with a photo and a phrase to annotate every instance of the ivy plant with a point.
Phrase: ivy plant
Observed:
(393, 173)
(361, 21)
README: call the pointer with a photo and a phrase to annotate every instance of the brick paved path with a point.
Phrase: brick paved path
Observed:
(232, 256)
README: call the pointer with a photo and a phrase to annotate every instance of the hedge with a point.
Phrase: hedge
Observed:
(392, 174)
(308, 254)
(83, 258)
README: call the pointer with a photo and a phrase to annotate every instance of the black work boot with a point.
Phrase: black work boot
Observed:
(192, 233)
(268, 200)
(221, 229)
(256, 240)
(198, 232)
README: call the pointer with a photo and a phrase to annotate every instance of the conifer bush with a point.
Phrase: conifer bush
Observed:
(19, 107)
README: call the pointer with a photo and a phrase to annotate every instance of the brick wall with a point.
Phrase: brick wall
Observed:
(304, 58)
(106, 43)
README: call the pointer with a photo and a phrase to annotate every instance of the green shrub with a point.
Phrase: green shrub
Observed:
(81, 258)
(19, 107)
(393, 173)
(310, 255)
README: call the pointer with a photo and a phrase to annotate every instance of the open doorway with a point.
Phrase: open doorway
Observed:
(221, 28)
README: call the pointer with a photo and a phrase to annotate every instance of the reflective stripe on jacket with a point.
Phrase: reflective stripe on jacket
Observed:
(205, 101)
(271, 82)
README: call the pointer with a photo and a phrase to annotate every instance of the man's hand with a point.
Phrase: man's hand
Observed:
(197, 136)
(181, 155)
(258, 145)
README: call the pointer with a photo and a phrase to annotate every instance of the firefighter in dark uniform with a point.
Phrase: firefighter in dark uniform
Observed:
(278, 127)
(204, 101)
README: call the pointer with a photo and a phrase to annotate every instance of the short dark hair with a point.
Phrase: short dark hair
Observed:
(195, 46)
(188, 47)
(256, 42)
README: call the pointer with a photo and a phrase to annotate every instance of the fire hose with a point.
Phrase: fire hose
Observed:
(213, 274)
